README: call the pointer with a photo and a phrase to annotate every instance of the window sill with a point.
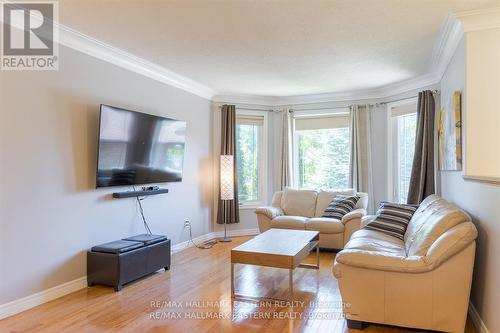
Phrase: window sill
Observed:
(250, 206)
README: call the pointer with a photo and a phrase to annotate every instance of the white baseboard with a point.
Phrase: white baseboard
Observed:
(212, 235)
(187, 244)
(28, 302)
(237, 233)
(476, 319)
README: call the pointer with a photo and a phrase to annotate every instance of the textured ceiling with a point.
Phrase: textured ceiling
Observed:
(274, 48)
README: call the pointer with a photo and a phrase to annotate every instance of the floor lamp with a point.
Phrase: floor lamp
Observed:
(226, 187)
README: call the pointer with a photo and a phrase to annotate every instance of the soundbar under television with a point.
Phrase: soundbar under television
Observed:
(138, 148)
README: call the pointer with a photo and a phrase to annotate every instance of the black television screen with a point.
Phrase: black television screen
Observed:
(138, 148)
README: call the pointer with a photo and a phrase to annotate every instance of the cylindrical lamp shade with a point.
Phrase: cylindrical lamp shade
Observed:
(227, 177)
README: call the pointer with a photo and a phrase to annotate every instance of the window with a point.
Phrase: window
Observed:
(322, 151)
(250, 153)
(402, 147)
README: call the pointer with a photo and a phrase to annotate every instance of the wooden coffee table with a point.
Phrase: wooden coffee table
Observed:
(278, 248)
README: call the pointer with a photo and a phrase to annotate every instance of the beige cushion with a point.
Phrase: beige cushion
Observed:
(363, 200)
(433, 217)
(372, 234)
(417, 217)
(326, 197)
(289, 222)
(379, 260)
(374, 241)
(375, 250)
(325, 225)
(299, 202)
(277, 199)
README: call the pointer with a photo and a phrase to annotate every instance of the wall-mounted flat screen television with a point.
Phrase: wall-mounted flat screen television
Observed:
(138, 148)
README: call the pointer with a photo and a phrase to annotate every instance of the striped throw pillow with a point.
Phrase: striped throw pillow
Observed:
(340, 206)
(392, 219)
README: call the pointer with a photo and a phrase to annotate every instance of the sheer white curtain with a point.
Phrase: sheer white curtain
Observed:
(285, 150)
(361, 161)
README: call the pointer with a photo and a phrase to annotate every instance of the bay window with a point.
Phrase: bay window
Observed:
(403, 125)
(322, 151)
(250, 154)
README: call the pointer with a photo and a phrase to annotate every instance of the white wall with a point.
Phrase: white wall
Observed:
(50, 211)
(482, 201)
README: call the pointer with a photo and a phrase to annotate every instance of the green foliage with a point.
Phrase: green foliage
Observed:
(324, 158)
(247, 156)
(407, 127)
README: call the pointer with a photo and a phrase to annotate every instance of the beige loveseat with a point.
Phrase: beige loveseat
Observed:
(422, 282)
(302, 209)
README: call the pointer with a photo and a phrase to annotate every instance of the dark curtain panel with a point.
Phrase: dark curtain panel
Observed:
(228, 210)
(422, 171)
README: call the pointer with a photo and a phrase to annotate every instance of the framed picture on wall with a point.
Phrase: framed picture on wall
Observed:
(450, 133)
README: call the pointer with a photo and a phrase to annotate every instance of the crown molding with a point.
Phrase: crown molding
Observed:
(449, 37)
(481, 19)
(241, 99)
(386, 91)
(96, 48)
(106, 52)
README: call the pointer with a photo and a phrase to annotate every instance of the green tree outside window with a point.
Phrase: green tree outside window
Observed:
(247, 148)
(323, 158)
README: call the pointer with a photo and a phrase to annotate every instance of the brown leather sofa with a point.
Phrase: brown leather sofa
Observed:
(422, 282)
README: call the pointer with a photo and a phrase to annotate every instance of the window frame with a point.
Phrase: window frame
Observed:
(310, 114)
(263, 158)
(392, 147)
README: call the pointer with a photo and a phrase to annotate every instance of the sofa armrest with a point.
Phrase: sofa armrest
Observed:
(450, 243)
(352, 223)
(269, 211)
(355, 214)
(382, 261)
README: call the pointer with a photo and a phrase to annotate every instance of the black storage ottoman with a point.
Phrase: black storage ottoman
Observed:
(120, 262)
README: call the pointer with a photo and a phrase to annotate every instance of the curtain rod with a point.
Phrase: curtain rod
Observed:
(323, 108)
(370, 104)
(251, 109)
(435, 91)
(394, 100)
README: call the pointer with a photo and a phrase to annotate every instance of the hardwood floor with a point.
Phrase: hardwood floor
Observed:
(193, 293)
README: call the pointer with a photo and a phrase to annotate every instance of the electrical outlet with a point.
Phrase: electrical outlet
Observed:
(187, 224)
